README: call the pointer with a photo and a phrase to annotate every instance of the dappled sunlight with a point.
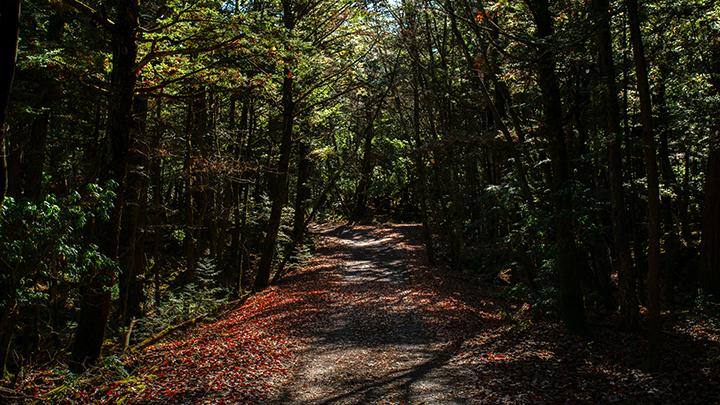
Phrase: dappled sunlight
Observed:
(367, 320)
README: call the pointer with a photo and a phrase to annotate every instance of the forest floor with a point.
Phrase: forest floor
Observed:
(366, 320)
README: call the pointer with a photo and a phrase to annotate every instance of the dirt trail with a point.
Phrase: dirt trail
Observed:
(366, 320)
(373, 338)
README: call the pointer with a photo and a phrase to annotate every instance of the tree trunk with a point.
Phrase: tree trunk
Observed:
(422, 178)
(627, 279)
(710, 248)
(244, 256)
(569, 261)
(189, 241)
(653, 286)
(34, 154)
(302, 194)
(131, 240)
(156, 180)
(8, 287)
(9, 30)
(234, 191)
(710, 251)
(95, 300)
(360, 210)
(279, 186)
(671, 244)
(422, 182)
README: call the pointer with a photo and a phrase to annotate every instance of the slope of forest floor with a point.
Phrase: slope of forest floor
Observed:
(368, 321)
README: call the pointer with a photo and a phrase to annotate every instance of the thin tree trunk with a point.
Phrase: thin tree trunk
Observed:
(302, 194)
(279, 186)
(189, 241)
(133, 253)
(626, 276)
(234, 255)
(671, 240)
(684, 215)
(8, 285)
(244, 256)
(156, 162)
(360, 210)
(569, 263)
(653, 282)
(420, 163)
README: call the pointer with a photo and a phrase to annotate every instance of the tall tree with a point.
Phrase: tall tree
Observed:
(95, 302)
(280, 178)
(9, 26)
(651, 170)
(568, 262)
(606, 64)
(710, 250)
(9, 31)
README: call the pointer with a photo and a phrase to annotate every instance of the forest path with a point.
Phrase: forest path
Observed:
(366, 320)
(378, 334)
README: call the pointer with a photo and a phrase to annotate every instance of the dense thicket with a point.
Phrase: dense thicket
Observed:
(167, 155)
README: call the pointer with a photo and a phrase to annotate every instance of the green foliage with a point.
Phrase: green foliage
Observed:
(46, 255)
(202, 296)
(46, 241)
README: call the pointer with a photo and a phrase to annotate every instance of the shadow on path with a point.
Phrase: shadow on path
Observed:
(366, 320)
(375, 334)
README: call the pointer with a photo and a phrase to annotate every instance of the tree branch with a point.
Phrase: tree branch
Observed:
(94, 15)
(187, 51)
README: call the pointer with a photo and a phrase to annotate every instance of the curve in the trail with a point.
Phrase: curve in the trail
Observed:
(363, 321)
(366, 320)
(379, 334)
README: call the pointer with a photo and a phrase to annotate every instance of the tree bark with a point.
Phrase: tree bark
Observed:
(360, 210)
(422, 181)
(189, 241)
(9, 31)
(95, 301)
(671, 242)
(302, 194)
(627, 279)
(653, 283)
(710, 245)
(279, 186)
(569, 261)
(156, 181)
(131, 238)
